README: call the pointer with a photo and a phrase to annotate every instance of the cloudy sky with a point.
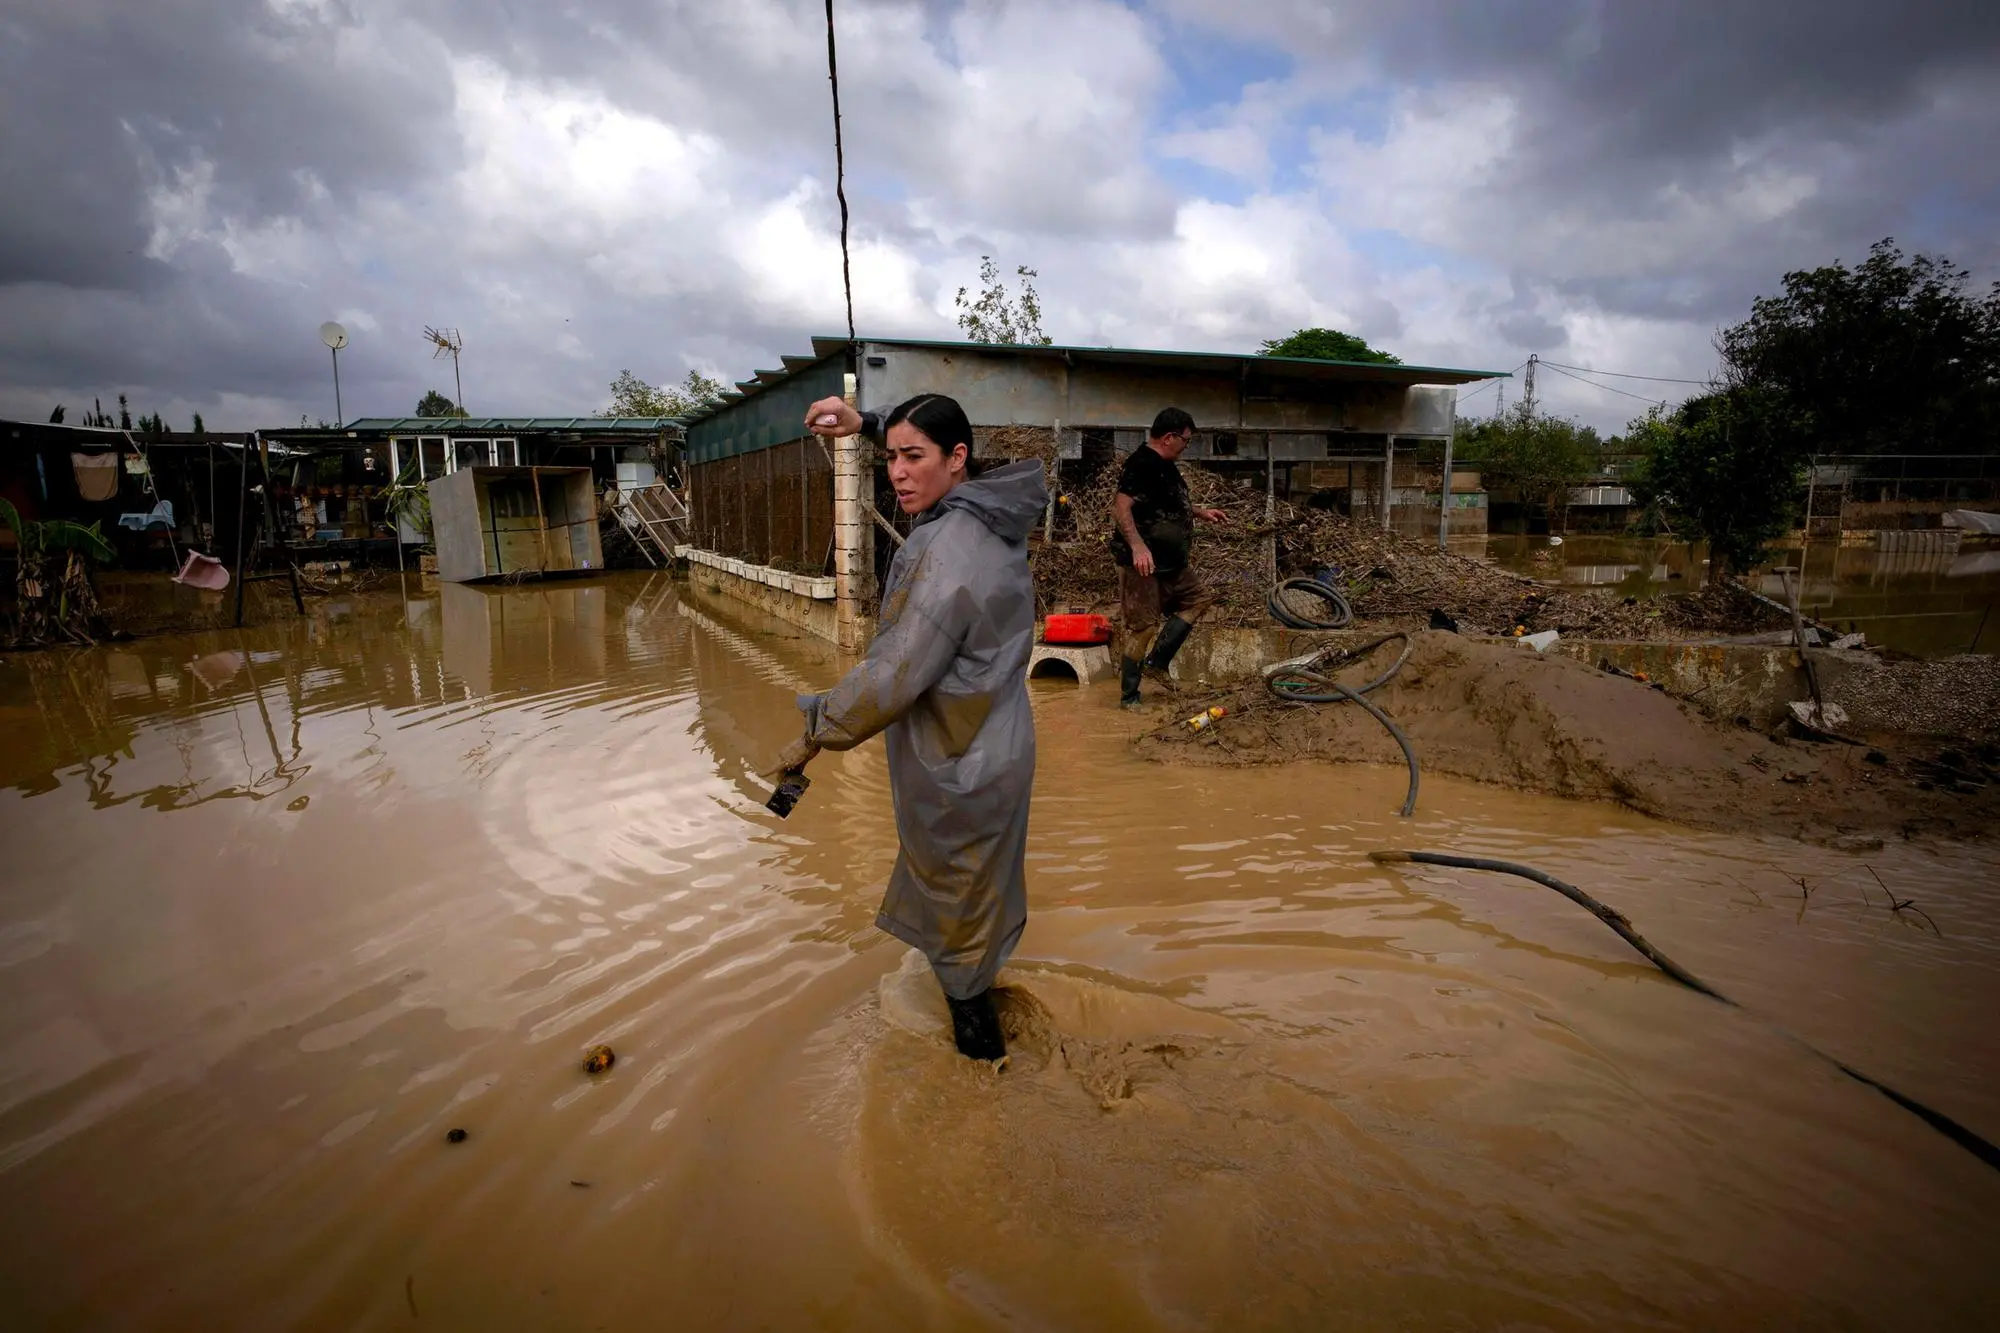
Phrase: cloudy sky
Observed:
(189, 187)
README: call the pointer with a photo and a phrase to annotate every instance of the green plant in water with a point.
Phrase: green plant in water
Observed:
(53, 595)
(407, 501)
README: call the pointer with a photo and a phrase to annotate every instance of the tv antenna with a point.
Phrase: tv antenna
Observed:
(447, 340)
(335, 338)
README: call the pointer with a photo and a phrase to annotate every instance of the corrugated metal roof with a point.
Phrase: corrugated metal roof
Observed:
(464, 425)
(1304, 368)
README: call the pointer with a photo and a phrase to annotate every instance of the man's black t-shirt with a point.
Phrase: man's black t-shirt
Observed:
(1160, 510)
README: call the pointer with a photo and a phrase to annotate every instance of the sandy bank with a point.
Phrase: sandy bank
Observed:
(1495, 712)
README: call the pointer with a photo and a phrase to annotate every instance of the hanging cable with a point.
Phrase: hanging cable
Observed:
(839, 169)
(1494, 383)
(1650, 402)
(1622, 375)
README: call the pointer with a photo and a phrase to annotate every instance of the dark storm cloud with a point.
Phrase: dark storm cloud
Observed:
(104, 103)
(187, 187)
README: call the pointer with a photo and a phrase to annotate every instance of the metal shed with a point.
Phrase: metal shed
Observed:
(490, 522)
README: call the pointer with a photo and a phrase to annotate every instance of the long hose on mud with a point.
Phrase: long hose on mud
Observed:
(1307, 680)
(1973, 1143)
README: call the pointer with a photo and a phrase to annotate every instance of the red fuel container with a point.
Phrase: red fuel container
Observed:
(1076, 630)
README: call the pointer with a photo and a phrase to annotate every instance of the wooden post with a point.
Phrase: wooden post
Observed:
(541, 523)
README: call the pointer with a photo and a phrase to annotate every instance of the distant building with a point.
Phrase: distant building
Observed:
(772, 509)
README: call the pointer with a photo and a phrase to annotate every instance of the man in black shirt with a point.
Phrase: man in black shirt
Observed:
(1155, 531)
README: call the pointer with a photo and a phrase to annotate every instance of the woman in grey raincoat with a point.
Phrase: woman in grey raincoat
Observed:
(946, 679)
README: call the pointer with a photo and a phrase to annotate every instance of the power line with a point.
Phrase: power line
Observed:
(839, 170)
(1621, 375)
(1550, 365)
(1489, 384)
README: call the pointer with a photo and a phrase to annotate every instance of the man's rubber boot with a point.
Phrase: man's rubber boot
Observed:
(1129, 670)
(975, 1026)
(1168, 642)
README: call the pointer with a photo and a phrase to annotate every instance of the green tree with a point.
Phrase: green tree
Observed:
(435, 404)
(1728, 467)
(199, 429)
(997, 317)
(1326, 345)
(1892, 356)
(633, 397)
(1541, 458)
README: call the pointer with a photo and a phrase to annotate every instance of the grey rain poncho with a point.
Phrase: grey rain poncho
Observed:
(946, 679)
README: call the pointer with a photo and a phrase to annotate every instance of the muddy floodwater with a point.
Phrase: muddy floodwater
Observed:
(280, 908)
(1929, 603)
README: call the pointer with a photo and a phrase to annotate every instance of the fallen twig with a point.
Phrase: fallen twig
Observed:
(1898, 906)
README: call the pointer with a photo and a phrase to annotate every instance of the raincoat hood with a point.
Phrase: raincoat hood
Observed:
(1008, 500)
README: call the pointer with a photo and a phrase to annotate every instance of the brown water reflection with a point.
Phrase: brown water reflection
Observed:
(1929, 604)
(281, 907)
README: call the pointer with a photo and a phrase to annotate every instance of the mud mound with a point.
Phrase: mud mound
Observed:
(1107, 1038)
(1383, 574)
(1499, 712)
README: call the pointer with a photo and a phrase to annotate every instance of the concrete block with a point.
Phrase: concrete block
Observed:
(1087, 665)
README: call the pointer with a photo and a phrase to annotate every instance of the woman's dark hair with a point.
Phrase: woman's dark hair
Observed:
(939, 417)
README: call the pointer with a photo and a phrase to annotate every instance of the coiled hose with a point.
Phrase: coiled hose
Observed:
(1306, 680)
(1338, 614)
(1978, 1146)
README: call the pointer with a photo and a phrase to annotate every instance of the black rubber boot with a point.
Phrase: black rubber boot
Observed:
(1168, 642)
(975, 1026)
(1129, 669)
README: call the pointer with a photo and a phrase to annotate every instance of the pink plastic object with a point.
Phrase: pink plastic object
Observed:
(203, 571)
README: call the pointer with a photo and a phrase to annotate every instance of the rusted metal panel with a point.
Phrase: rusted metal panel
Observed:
(489, 521)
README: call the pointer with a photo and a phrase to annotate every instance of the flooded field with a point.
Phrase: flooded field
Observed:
(1928, 604)
(281, 908)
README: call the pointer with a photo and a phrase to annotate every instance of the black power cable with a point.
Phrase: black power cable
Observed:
(839, 170)
(1979, 1147)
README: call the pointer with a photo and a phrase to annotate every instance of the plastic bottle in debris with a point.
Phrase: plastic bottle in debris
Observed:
(1200, 720)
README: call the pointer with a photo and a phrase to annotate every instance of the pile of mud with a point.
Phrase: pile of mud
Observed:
(1384, 575)
(1499, 712)
(1108, 1040)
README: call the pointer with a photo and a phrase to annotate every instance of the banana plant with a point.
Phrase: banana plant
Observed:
(407, 502)
(59, 601)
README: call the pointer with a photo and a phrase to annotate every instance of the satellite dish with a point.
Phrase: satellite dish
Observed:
(333, 335)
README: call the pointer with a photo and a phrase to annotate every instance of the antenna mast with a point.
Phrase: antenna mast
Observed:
(447, 340)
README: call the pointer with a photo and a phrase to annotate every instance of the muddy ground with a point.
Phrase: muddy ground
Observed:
(1496, 712)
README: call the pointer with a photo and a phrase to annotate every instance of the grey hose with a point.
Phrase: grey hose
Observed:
(1972, 1142)
(1340, 614)
(1294, 681)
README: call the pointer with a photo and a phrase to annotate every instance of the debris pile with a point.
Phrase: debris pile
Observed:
(1384, 576)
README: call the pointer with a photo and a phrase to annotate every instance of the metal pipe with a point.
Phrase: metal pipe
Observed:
(1444, 488)
(1388, 475)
